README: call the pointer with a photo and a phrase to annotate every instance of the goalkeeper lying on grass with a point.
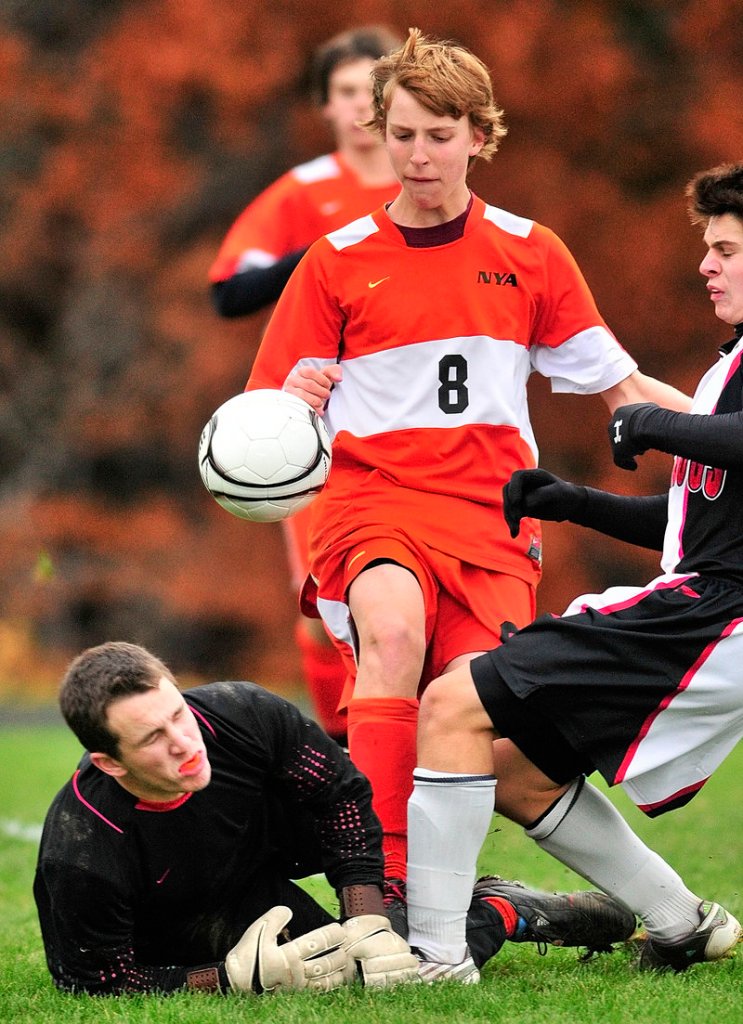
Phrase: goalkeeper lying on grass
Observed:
(167, 860)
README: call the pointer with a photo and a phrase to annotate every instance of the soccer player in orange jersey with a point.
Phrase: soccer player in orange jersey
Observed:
(267, 241)
(414, 329)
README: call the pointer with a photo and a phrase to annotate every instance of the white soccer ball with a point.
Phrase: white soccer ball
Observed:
(264, 455)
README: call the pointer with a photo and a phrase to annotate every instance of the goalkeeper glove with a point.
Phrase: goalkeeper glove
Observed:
(380, 956)
(317, 960)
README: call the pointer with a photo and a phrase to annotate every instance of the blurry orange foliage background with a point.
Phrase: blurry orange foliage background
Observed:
(132, 132)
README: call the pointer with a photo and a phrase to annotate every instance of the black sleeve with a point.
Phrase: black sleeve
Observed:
(251, 290)
(88, 936)
(638, 520)
(711, 440)
(320, 777)
(298, 766)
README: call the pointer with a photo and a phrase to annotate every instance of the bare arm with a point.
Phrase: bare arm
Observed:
(640, 388)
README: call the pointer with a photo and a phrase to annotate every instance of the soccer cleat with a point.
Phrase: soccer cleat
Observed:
(396, 905)
(430, 971)
(715, 938)
(590, 919)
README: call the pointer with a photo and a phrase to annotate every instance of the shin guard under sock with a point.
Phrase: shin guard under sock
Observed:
(448, 816)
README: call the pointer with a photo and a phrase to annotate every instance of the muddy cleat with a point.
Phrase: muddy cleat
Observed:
(430, 971)
(590, 919)
(396, 905)
(715, 938)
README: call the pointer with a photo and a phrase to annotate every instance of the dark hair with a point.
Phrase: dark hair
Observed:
(716, 192)
(372, 41)
(98, 677)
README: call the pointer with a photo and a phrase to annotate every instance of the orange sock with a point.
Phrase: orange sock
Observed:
(324, 676)
(382, 744)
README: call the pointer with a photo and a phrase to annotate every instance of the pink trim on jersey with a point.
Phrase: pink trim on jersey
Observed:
(693, 788)
(201, 718)
(90, 807)
(638, 595)
(685, 682)
(732, 369)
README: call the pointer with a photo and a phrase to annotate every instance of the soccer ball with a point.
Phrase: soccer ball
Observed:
(264, 455)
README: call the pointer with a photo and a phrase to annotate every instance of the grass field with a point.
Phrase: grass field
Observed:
(704, 841)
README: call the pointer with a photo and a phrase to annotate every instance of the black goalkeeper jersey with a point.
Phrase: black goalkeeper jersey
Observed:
(125, 893)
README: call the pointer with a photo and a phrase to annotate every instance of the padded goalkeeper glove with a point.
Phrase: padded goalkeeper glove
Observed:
(537, 493)
(624, 431)
(317, 960)
(377, 953)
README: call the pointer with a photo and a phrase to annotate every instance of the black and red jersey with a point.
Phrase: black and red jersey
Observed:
(705, 524)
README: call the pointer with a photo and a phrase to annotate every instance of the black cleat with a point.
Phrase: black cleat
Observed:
(590, 919)
(396, 905)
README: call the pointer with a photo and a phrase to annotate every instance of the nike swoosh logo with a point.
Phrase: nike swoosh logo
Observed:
(357, 555)
(373, 284)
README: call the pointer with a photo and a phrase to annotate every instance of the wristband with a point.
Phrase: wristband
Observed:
(210, 978)
(357, 900)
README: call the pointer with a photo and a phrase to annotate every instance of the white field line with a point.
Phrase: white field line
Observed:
(18, 830)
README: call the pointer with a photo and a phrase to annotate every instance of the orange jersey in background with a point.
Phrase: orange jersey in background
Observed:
(301, 206)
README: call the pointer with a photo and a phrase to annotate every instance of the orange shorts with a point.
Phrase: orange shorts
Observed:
(466, 605)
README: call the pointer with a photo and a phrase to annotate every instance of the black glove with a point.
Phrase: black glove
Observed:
(624, 434)
(537, 493)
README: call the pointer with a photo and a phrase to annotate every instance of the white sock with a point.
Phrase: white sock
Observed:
(448, 819)
(586, 832)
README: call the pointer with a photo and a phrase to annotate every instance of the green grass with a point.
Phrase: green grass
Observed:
(703, 841)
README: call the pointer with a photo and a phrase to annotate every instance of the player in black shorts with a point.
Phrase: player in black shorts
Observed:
(168, 860)
(642, 684)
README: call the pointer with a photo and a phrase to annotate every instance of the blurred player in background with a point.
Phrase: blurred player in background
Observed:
(267, 241)
(415, 329)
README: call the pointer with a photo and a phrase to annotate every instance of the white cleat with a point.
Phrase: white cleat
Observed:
(716, 937)
(466, 973)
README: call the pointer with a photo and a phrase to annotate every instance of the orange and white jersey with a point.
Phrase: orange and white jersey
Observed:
(436, 345)
(298, 208)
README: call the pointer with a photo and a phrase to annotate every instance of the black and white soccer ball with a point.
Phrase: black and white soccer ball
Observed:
(264, 455)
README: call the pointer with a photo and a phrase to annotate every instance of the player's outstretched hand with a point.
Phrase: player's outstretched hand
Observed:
(382, 957)
(537, 493)
(623, 431)
(317, 960)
